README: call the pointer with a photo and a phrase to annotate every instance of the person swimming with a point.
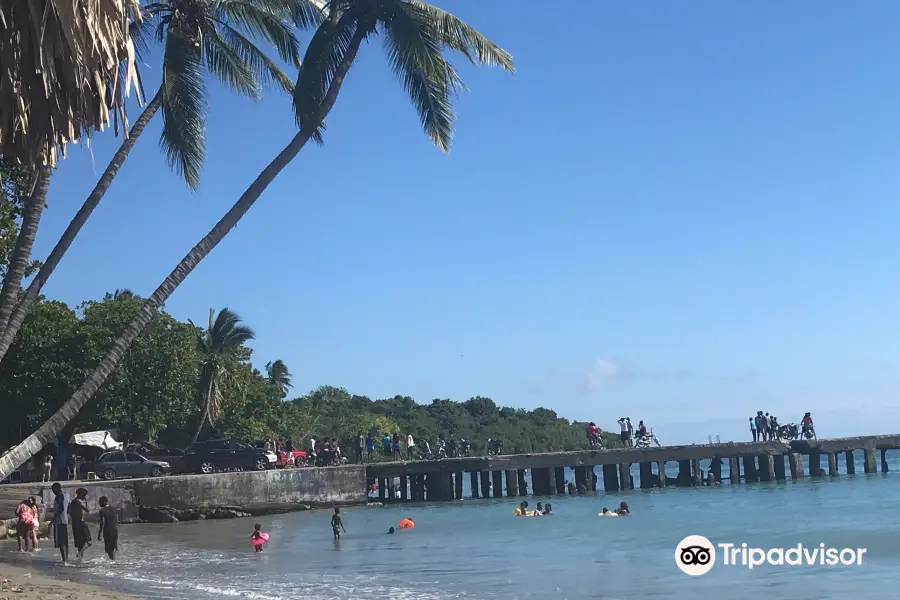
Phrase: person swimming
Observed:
(391, 530)
(623, 510)
(607, 513)
(539, 509)
(522, 510)
(547, 509)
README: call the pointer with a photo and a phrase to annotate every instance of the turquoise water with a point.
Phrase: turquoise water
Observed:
(477, 549)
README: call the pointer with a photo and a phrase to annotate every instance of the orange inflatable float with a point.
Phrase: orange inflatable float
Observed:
(406, 523)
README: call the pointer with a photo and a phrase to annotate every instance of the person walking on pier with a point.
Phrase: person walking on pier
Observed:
(624, 434)
(753, 431)
(410, 446)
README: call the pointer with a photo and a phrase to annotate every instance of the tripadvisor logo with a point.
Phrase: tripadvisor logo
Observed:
(696, 555)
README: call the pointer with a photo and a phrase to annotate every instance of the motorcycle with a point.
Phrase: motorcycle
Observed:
(495, 447)
(440, 450)
(644, 441)
(595, 442)
(789, 431)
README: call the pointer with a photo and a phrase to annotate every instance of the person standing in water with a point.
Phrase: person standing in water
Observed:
(60, 522)
(257, 538)
(337, 524)
(109, 528)
(81, 534)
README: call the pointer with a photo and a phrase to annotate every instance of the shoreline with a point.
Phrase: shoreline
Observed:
(37, 584)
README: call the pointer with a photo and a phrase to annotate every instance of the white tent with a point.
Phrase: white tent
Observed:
(97, 439)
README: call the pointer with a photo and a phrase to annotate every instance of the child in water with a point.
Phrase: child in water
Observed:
(337, 525)
(548, 510)
(256, 537)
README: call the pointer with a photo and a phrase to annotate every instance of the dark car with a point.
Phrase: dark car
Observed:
(129, 464)
(227, 455)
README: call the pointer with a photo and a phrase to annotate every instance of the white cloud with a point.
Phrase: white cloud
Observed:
(600, 373)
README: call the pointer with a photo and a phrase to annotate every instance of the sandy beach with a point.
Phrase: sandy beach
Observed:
(26, 584)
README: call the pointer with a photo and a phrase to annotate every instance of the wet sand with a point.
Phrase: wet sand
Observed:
(27, 584)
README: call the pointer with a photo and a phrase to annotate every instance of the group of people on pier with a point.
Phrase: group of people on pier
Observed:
(766, 428)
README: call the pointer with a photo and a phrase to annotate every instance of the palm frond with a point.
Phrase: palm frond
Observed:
(324, 54)
(229, 67)
(414, 48)
(265, 70)
(142, 33)
(459, 36)
(60, 66)
(184, 107)
(262, 19)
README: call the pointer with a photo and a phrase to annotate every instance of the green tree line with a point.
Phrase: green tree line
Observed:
(179, 381)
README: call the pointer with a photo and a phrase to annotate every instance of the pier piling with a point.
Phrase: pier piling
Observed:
(869, 460)
(610, 478)
(715, 469)
(815, 463)
(523, 483)
(485, 484)
(625, 476)
(832, 464)
(560, 474)
(750, 474)
(592, 477)
(498, 483)
(766, 467)
(404, 483)
(473, 483)
(779, 467)
(696, 473)
(458, 485)
(661, 473)
(796, 461)
(851, 465)
(512, 483)
(646, 475)
(734, 470)
(684, 478)
(884, 463)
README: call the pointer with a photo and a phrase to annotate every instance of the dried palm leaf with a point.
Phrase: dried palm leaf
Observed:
(64, 65)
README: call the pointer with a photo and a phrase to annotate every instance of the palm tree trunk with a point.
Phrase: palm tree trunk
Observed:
(49, 430)
(8, 333)
(15, 271)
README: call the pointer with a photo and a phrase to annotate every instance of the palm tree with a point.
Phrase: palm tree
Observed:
(416, 34)
(224, 335)
(63, 62)
(68, 65)
(201, 38)
(279, 376)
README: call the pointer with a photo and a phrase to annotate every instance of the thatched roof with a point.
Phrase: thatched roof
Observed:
(64, 64)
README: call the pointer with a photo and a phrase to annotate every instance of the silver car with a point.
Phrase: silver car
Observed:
(129, 464)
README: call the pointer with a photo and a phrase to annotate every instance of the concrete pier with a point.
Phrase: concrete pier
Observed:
(761, 461)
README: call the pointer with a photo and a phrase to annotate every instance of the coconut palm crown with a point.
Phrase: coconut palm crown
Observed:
(62, 66)
(215, 38)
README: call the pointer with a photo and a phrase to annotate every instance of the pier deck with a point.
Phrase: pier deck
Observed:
(747, 461)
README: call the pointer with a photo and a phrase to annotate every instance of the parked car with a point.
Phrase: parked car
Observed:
(174, 456)
(227, 455)
(285, 459)
(129, 464)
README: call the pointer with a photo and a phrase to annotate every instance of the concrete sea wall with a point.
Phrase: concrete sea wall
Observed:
(251, 492)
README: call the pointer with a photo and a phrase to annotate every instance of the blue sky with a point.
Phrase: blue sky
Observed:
(679, 212)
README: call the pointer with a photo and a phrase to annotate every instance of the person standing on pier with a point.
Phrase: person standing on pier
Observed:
(624, 434)
(630, 432)
(360, 447)
(753, 430)
(410, 446)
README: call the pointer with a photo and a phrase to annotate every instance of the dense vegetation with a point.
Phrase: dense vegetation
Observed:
(160, 391)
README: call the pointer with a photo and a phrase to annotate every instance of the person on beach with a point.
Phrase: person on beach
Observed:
(60, 522)
(81, 534)
(26, 514)
(48, 469)
(109, 528)
(337, 524)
